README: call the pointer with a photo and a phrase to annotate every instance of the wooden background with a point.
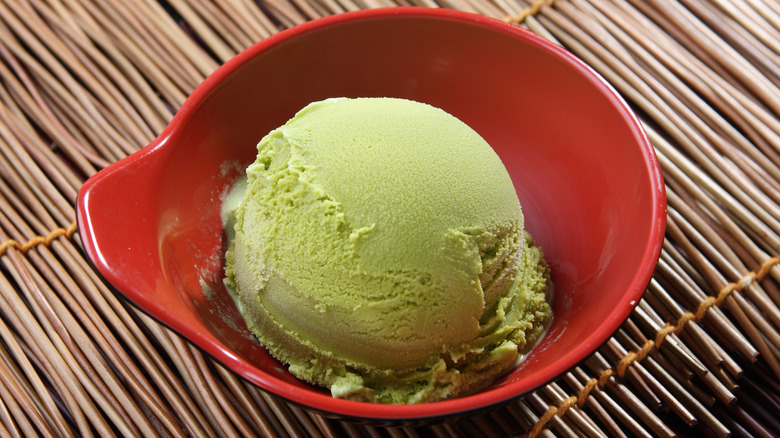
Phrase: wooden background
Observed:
(86, 82)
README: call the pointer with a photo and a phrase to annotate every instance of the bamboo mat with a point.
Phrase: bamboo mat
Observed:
(86, 82)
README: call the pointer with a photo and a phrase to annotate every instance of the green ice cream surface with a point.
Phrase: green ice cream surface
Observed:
(379, 251)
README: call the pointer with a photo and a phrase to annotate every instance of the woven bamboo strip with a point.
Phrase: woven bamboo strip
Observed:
(24, 323)
(89, 36)
(82, 63)
(51, 71)
(44, 118)
(133, 48)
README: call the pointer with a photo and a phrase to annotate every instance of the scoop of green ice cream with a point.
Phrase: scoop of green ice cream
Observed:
(379, 251)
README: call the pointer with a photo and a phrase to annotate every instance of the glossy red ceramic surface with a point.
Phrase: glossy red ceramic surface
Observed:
(586, 176)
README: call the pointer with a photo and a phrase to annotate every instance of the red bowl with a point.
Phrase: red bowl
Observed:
(587, 178)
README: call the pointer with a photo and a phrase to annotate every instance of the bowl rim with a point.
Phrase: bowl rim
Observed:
(480, 401)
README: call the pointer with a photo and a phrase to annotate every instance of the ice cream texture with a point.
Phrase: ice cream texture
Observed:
(379, 250)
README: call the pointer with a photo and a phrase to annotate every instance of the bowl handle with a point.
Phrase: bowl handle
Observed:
(120, 242)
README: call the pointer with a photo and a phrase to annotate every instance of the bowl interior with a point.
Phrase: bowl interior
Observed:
(585, 175)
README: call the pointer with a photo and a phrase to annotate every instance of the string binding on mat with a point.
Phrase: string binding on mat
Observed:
(637, 356)
(530, 11)
(38, 240)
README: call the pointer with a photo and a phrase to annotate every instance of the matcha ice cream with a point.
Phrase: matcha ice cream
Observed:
(379, 250)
